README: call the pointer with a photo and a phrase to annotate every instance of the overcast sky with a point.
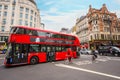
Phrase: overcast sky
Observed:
(56, 14)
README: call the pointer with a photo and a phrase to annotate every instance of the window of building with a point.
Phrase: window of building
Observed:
(13, 8)
(34, 19)
(31, 17)
(108, 36)
(0, 7)
(7, 0)
(26, 23)
(27, 10)
(20, 22)
(21, 9)
(13, 14)
(21, 15)
(3, 28)
(31, 24)
(95, 22)
(5, 13)
(0, 13)
(12, 21)
(26, 16)
(35, 13)
(34, 25)
(5, 7)
(102, 36)
(98, 36)
(113, 37)
(118, 29)
(118, 37)
(106, 29)
(91, 38)
(4, 21)
(95, 36)
(31, 11)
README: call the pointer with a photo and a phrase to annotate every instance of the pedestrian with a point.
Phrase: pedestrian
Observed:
(69, 55)
(94, 55)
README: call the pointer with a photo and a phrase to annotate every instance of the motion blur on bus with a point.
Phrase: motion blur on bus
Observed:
(31, 46)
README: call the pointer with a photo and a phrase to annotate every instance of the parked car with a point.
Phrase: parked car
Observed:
(109, 50)
(85, 51)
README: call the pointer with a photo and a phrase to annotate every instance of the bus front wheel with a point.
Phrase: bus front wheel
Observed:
(34, 60)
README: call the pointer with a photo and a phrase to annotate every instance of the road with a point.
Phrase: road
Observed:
(105, 68)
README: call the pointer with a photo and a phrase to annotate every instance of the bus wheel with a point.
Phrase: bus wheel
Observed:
(34, 60)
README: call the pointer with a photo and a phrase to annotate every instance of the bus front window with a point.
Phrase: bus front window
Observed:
(13, 30)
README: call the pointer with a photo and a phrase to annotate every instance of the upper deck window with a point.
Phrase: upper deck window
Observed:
(71, 38)
(41, 33)
(13, 30)
(20, 31)
(32, 32)
(56, 36)
(17, 30)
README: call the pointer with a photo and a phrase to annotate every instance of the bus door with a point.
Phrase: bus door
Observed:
(20, 53)
(50, 53)
(48, 50)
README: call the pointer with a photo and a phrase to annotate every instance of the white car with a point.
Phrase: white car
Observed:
(85, 51)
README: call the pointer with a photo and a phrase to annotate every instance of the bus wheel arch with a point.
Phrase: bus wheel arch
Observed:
(34, 60)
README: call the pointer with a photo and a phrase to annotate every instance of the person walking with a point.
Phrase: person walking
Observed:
(69, 55)
(94, 55)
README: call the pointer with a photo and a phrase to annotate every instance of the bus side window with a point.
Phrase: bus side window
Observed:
(43, 48)
(29, 32)
(20, 31)
(34, 33)
(48, 34)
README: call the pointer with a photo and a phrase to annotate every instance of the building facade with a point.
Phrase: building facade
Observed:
(82, 30)
(103, 27)
(18, 12)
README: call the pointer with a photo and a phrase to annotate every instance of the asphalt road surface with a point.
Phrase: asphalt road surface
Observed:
(105, 68)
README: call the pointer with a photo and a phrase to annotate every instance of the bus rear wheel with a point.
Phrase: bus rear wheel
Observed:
(34, 60)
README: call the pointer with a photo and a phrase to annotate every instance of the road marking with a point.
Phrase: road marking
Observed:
(116, 59)
(83, 62)
(102, 60)
(86, 70)
(111, 58)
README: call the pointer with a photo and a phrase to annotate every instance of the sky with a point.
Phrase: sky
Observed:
(57, 14)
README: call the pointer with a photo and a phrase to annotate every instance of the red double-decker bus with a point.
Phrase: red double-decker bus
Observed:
(31, 46)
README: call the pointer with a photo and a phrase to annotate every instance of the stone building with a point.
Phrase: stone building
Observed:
(102, 27)
(17, 12)
(82, 30)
